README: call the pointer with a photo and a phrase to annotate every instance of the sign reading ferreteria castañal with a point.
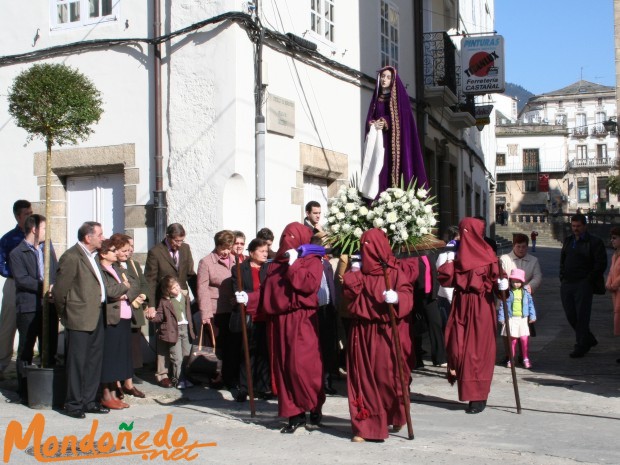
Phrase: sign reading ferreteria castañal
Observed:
(483, 65)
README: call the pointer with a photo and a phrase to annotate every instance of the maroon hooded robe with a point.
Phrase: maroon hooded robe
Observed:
(373, 383)
(470, 332)
(290, 298)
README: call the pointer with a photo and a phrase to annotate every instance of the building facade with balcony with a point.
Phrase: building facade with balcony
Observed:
(462, 166)
(558, 155)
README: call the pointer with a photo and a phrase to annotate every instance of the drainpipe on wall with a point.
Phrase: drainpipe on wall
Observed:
(418, 30)
(259, 137)
(159, 195)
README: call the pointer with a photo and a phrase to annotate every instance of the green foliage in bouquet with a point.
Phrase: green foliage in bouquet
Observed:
(405, 214)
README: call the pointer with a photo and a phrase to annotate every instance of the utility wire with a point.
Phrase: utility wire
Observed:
(303, 91)
(273, 39)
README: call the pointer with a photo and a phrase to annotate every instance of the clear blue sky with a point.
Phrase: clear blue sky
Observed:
(549, 44)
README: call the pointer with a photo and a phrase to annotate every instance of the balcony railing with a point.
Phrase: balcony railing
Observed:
(601, 162)
(439, 61)
(542, 167)
(581, 131)
(558, 130)
(599, 131)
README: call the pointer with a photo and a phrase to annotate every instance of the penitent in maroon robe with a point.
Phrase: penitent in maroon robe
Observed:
(470, 332)
(373, 383)
(290, 298)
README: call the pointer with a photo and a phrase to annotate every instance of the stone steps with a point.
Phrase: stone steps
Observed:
(503, 235)
(541, 241)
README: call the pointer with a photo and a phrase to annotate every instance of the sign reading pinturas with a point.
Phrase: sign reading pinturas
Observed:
(483, 64)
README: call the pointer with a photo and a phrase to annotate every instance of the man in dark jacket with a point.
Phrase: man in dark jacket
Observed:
(79, 295)
(582, 263)
(328, 322)
(426, 312)
(22, 209)
(172, 257)
(26, 262)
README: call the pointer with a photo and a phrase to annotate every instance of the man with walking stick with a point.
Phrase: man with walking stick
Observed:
(380, 293)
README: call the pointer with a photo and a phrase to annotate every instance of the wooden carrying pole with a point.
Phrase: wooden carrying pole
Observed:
(246, 347)
(502, 295)
(399, 355)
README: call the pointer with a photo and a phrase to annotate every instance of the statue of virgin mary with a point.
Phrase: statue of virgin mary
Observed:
(392, 148)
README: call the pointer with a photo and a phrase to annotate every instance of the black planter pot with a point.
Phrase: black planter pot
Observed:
(46, 387)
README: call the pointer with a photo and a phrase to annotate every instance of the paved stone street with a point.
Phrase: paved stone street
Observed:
(571, 411)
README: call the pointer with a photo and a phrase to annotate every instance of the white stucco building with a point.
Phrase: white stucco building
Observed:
(314, 102)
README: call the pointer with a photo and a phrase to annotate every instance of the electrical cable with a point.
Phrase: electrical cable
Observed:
(301, 85)
(240, 18)
(273, 39)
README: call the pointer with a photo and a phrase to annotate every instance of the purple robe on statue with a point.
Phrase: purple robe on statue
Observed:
(403, 155)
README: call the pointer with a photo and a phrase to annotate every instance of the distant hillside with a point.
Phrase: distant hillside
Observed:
(515, 90)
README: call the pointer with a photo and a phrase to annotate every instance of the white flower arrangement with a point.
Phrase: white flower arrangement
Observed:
(405, 214)
(347, 219)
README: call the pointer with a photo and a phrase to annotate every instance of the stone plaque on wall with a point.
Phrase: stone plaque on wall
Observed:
(512, 150)
(280, 115)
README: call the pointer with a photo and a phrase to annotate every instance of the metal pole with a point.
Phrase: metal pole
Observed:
(259, 121)
(260, 171)
(507, 339)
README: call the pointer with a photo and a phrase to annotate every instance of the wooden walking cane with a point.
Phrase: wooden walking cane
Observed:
(246, 348)
(511, 357)
(399, 355)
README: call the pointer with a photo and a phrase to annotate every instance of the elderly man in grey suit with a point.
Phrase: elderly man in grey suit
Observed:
(79, 294)
(173, 257)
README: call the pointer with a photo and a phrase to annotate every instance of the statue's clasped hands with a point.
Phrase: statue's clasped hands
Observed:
(380, 124)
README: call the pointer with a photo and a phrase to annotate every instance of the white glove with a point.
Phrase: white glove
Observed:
(391, 297)
(242, 297)
(449, 256)
(356, 266)
(292, 256)
(502, 284)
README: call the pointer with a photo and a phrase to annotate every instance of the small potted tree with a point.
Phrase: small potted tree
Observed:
(59, 105)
